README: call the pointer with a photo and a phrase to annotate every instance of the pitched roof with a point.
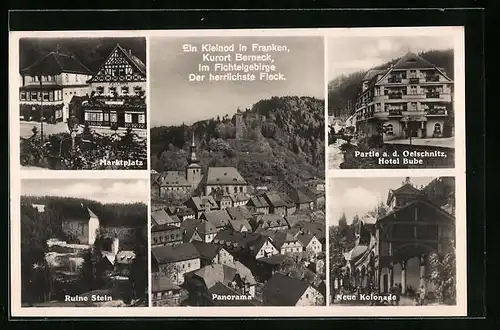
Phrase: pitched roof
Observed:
(277, 199)
(162, 283)
(413, 61)
(266, 221)
(235, 240)
(199, 202)
(170, 254)
(258, 201)
(218, 218)
(316, 228)
(282, 290)
(406, 188)
(207, 251)
(355, 252)
(164, 227)
(55, 63)
(77, 213)
(161, 217)
(238, 213)
(281, 238)
(132, 59)
(304, 238)
(212, 274)
(224, 175)
(172, 179)
(240, 224)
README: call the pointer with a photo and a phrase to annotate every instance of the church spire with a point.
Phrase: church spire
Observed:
(192, 152)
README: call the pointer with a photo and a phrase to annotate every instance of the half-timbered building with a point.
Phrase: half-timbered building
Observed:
(118, 93)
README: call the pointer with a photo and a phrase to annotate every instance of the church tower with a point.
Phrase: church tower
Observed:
(193, 169)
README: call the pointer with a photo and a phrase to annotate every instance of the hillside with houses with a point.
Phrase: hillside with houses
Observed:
(277, 137)
(246, 224)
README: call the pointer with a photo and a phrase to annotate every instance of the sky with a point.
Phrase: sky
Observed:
(101, 190)
(175, 100)
(360, 195)
(348, 55)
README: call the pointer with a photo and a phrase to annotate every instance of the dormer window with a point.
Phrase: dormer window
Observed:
(125, 90)
(100, 90)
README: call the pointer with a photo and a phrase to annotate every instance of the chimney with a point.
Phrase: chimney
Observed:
(115, 246)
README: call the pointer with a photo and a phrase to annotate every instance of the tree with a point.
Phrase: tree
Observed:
(91, 276)
(342, 222)
(139, 269)
(443, 275)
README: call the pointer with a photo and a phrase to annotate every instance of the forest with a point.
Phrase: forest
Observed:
(89, 51)
(280, 136)
(40, 283)
(344, 89)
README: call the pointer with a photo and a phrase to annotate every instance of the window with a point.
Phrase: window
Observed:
(125, 90)
(128, 118)
(142, 121)
(66, 76)
(189, 264)
(437, 128)
(45, 96)
(23, 96)
(183, 266)
(389, 129)
(106, 117)
(413, 89)
(51, 96)
(114, 118)
(235, 189)
(100, 90)
(112, 90)
(34, 96)
(241, 189)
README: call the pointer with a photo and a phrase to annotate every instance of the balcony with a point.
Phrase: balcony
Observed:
(414, 80)
(395, 80)
(395, 112)
(432, 95)
(393, 96)
(432, 78)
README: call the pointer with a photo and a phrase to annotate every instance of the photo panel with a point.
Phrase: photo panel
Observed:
(82, 103)
(393, 242)
(237, 171)
(392, 101)
(83, 243)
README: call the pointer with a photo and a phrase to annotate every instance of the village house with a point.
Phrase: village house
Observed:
(161, 217)
(237, 277)
(117, 93)
(286, 243)
(314, 228)
(298, 197)
(223, 198)
(245, 244)
(239, 199)
(279, 203)
(164, 292)
(309, 242)
(220, 219)
(166, 235)
(81, 224)
(270, 222)
(212, 254)
(182, 212)
(50, 83)
(258, 205)
(412, 98)
(282, 290)
(201, 204)
(205, 230)
(239, 213)
(171, 181)
(175, 261)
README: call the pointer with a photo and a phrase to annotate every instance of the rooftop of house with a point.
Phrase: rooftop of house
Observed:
(172, 179)
(162, 284)
(55, 63)
(240, 225)
(218, 218)
(207, 251)
(224, 176)
(199, 202)
(259, 201)
(160, 217)
(212, 274)
(171, 254)
(266, 221)
(282, 290)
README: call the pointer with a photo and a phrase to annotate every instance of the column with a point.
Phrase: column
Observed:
(420, 130)
(422, 271)
(391, 276)
(403, 277)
